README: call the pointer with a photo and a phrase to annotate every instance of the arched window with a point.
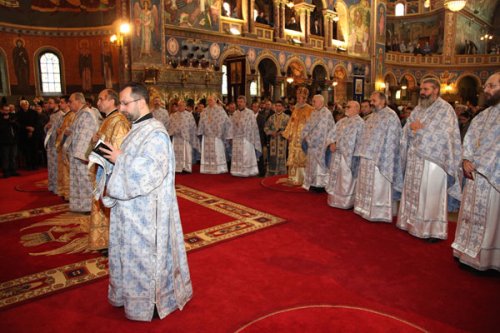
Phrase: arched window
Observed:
(224, 80)
(50, 73)
(400, 9)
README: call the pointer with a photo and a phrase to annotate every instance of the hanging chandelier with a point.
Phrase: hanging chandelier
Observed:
(455, 5)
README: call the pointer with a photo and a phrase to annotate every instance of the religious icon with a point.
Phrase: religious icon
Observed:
(147, 26)
(107, 64)
(85, 65)
(358, 86)
(21, 65)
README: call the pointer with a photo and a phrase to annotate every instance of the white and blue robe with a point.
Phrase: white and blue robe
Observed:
(55, 122)
(380, 178)
(246, 147)
(477, 239)
(343, 165)
(315, 134)
(215, 128)
(147, 257)
(85, 125)
(162, 116)
(431, 156)
(186, 144)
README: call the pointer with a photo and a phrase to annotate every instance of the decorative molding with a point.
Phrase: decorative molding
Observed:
(55, 32)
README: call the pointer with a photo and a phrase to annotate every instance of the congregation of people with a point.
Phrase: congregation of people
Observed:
(416, 163)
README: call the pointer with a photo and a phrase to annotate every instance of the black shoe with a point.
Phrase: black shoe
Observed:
(15, 174)
(317, 189)
(432, 240)
(104, 252)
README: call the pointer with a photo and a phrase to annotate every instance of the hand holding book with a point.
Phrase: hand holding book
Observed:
(106, 150)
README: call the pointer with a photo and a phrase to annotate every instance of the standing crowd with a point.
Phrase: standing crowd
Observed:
(117, 163)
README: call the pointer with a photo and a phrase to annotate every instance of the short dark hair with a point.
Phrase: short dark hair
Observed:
(380, 95)
(112, 94)
(138, 90)
(279, 101)
(434, 82)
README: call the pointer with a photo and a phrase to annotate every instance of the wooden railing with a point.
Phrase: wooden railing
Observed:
(399, 58)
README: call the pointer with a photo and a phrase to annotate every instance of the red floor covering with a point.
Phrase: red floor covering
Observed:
(320, 256)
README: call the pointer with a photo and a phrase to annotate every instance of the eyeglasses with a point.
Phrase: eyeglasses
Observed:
(132, 101)
(490, 85)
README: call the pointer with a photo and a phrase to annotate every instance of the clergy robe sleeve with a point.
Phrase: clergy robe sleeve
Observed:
(138, 174)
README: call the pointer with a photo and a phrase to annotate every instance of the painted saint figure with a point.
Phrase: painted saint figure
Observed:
(21, 65)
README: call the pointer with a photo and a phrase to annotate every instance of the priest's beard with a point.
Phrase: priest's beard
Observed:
(492, 100)
(426, 101)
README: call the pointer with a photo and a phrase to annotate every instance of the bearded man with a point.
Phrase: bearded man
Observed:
(430, 151)
(477, 240)
(380, 178)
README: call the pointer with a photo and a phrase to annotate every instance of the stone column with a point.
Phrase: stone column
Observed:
(305, 11)
(328, 24)
(245, 15)
(450, 26)
(251, 18)
(277, 89)
(282, 20)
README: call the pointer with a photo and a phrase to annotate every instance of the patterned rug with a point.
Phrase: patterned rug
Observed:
(38, 186)
(245, 220)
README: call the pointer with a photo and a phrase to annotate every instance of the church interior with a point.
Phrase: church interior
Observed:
(307, 267)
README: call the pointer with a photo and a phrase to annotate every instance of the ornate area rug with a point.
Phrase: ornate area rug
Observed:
(38, 186)
(242, 220)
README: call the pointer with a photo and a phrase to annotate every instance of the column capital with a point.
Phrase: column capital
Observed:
(307, 7)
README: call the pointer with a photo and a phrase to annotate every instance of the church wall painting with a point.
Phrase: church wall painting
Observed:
(416, 31)
(484, 9)
(201, 14)
(74, 53)
(359, 29)
(147, 31)
(381, 20)
(21, 60)
(468, 37)
(412, 6)
(60, 14)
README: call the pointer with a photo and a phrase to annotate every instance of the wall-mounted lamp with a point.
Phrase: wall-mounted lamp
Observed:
(380, 85)
(123, 31)
(289, 80)
(290, 4)
(486, 37)
(455, 5)
(295, 41)
(335, 83)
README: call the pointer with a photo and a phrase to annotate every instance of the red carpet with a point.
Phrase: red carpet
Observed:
(321, 256)
(279, 183)
(315, 318)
